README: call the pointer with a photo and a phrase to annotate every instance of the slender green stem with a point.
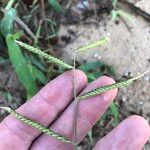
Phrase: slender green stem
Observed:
(37, 36)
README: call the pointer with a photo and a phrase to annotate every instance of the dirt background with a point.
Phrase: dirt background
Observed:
(128, 51)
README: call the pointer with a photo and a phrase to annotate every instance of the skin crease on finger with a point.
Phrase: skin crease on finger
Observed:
(131, 134)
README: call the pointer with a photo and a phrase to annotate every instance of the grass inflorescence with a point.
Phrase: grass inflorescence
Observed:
(36, 125)
(44, 55)
(101, 90)
(92, 45)
(89, 94)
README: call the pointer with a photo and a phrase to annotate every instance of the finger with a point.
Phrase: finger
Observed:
(89, 111)
(131, 134)
(43, 108)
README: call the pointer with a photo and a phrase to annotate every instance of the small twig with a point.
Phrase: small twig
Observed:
(76, 102)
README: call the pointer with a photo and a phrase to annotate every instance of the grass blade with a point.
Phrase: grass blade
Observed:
(21, 67)
(7, 22)
(115, 113)
(55, 4)
(9, 5)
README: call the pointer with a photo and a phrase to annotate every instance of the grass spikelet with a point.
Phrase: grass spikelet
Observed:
(36, 125)
(101, 90)
(44, 55)
(92, 45)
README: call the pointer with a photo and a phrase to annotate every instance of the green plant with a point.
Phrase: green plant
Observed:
(21, 67)
(55, 4)
(114, 110)
(120, 13)
(29, 70)
(36, 125)
(114, 3)
(26, 72)
(15, 54)
(44, 55)
(94, 92)
(109, 87)
(94, 70)
(123, 14)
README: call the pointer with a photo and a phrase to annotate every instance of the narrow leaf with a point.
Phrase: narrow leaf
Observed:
(7, 22)
(20, 66)
(115, 112)
(55, 4)
(114, 15)
(37, 74)
(9, 5)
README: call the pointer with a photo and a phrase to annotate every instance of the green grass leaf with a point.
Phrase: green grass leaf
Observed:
(37, 74)
(7, 22)
(96, 69)
(114, 15)
(9, 5)
(17, 58)
(115, 113)
(55, 4)
(90, 135)
(21, 67)
(123, 14)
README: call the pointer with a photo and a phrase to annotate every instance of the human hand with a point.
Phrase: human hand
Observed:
(53, 107)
